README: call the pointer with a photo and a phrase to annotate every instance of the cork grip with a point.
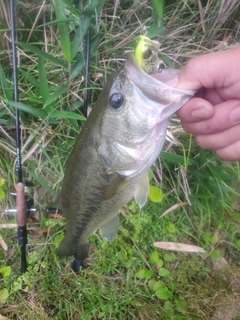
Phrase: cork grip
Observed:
(21, 205)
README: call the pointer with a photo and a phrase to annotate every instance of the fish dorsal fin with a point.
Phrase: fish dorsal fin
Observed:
(108, 230)
(117, 185)
(142, 191)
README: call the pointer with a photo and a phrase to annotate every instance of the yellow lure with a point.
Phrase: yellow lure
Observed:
(146, 54)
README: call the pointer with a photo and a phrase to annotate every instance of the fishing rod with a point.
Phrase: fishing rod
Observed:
(21, 206)
(24, 203)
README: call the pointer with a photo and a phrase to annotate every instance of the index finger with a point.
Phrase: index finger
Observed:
(214, 70)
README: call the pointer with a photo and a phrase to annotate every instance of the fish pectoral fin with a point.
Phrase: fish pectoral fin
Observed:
(115, 187)
(142, 191)
(108, 230)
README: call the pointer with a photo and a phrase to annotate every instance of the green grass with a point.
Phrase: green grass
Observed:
(127, 278)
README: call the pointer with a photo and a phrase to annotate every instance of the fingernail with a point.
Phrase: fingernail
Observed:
(235, 115)
(201, 113)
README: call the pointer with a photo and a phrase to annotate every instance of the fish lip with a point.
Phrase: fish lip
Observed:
(140, 77)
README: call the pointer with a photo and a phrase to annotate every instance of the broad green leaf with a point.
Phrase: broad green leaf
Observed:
(3, 111)
(169, 257)
(148, 274)
(171, 228)
(3, 122)
(3, 295)
(214, 239)
(2, 181)
(63, 88)
(42, 54)
(181, 304)
(171, 286)
(169, 308)
(159, 284)
(63, 29)
(154, 31)
(5, 271)
(141, 274)
(7, 90)
(155, 194)
(2, 194)
(163, 293)
(66, 115)
(43, 82)
(36, 112)
(155, 259)
(164, 272)
(17, 285)
(57, 239)
(150, 174)
(154, 256)
(215, 254)
(151, 283)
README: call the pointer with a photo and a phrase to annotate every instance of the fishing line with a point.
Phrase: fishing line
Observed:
(19, 187)
(87, 66)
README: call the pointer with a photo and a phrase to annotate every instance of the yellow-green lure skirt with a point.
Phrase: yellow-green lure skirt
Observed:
(146, 54)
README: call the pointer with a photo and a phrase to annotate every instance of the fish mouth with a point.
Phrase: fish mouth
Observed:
(158, 80)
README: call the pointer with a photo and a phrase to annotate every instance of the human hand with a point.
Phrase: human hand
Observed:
(214, 115)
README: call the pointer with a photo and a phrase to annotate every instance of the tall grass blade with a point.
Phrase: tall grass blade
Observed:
(83, 26)
(41, 181)
(63, 88)
(7, 90)
(79, 64)
(158, 8)
(42, 54)
(29, 78)
(157, 27)
(43, 81)
(28, 109)
(174, 158)
(66, 115)
(63, 29)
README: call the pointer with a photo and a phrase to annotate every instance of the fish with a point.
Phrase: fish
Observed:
(120, 140)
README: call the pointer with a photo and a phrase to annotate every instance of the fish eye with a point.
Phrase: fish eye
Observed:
(147, 54)
(116, 100)
(161, 67)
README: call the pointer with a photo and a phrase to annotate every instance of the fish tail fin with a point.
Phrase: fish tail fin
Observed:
(66, 248)
(82, 250)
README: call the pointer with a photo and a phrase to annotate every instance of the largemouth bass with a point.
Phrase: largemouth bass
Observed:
(120, 140)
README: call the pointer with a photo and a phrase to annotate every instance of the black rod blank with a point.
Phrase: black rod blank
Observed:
(20, 195)
(15, 84)
(87, 66)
